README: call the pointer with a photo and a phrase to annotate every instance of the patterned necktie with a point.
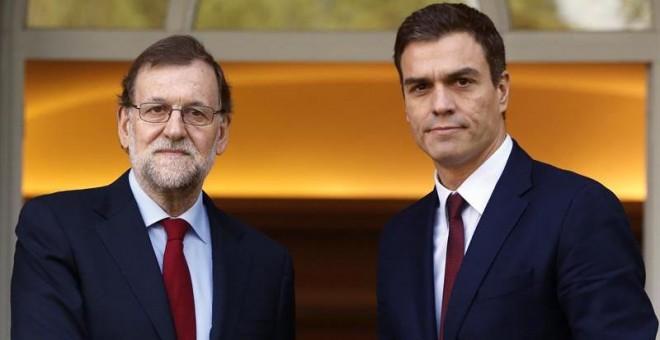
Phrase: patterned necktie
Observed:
(177, 280)
(455, 246)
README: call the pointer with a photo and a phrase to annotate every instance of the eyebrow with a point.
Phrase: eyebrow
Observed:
(462, 72)
(416, 80)
(155, 100)
(161, 100)
(465, 71)
(197, 103)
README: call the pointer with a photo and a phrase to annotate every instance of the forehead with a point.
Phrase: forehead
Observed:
(445, 54)
(193, 81)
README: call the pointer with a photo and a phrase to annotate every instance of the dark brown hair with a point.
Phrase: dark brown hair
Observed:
(435, 21)
(176, 50)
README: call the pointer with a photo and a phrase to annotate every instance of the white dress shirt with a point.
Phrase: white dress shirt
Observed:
(196, 248)
(476, 191)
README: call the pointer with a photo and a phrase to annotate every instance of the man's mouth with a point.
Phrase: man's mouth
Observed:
(175, 152)
(444, 129)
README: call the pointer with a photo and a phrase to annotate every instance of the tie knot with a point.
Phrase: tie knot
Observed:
(455, 205)
(175, 228)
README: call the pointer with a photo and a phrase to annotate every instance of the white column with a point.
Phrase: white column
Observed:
(11, 139)
(651, 230)
(651, 225)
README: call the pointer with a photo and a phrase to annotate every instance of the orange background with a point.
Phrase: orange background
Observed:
(336, 130)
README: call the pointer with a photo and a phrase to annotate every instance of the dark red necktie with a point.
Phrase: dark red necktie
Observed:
(455, 246)
(177, 280)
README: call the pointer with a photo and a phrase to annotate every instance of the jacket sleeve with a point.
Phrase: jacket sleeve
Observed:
(46, 302)
(601, 272)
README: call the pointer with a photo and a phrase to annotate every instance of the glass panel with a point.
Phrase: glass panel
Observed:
(581, 15)
(308, 15)
(127, 14)
(337, 130)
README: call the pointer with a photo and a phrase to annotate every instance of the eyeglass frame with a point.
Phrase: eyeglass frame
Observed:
(172, 109)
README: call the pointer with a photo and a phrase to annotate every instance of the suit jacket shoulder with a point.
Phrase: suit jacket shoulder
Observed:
(550, 252)
(84, 267)
(409, 224)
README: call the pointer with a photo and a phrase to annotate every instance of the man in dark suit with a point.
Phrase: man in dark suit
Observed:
(525, 250)
(150, 256)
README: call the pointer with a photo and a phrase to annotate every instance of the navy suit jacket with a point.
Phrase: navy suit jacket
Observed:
(84, 268)
(552, 258)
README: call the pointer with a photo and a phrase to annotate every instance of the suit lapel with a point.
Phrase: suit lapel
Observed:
(504, 208)
(231, 266)
(428, 326)
(126, 238)
(412, 263)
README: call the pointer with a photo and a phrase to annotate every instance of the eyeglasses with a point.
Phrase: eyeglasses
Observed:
(197, 115)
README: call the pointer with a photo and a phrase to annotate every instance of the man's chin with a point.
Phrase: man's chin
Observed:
(172, 180)
(171, 184)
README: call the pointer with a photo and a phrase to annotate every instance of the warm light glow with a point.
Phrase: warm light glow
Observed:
(587, 118)
(336, 130)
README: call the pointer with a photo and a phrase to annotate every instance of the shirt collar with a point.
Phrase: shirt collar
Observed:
(479, 186)
(152, 213)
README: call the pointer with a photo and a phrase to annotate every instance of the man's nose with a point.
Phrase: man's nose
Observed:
(175, 128)
(443, 101)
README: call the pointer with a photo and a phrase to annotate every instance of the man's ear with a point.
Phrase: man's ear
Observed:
(122, 126)
(223, 138)
(503, 88)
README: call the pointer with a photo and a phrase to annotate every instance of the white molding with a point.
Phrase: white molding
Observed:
(227, 46)
(650, 231)
(11, 133)
(651, 221)
(180, 16)
(498, 12)
(357, 46)
(85, 45)
(582, 46)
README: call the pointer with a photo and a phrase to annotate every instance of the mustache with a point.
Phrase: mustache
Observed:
(183, 145)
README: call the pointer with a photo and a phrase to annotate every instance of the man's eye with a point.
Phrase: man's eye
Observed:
(157, 109)
(420, 87)
(463, 81)
(191, 111)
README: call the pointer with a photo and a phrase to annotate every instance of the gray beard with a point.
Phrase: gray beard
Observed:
(178, 177)
(174, 175)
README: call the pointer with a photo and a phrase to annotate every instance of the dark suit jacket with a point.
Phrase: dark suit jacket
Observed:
(552, 258)
(84, 268)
